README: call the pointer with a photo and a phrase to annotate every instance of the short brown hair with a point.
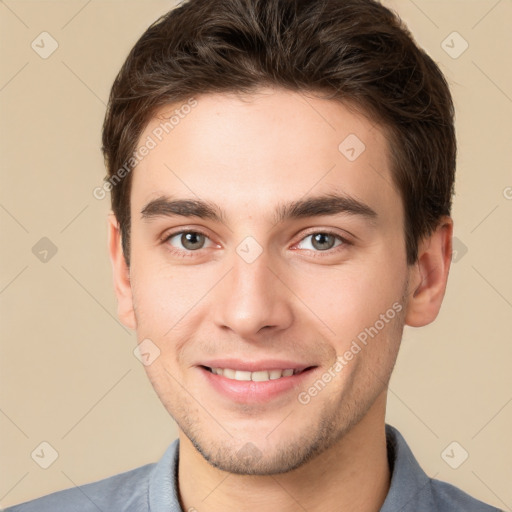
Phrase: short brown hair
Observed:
(357, 51)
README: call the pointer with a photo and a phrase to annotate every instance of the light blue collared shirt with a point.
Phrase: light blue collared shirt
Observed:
(154, 488)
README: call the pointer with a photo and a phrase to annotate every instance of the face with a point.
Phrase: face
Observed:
(275, 296)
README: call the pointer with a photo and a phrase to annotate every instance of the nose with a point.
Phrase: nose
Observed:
(252, 299)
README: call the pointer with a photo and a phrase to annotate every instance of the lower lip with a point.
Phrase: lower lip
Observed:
(244, 391)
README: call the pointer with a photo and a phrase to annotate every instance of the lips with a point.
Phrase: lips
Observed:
(254, 381)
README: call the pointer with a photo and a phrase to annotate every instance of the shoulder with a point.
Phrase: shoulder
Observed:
(412, 490)
(149, 487)
(124, 491)
(450, 498)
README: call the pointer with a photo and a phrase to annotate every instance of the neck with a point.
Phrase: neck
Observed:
(351, 475)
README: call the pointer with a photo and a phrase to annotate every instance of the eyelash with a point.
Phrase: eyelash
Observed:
(187, 253)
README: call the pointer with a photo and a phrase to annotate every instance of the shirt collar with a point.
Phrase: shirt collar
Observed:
(163, 482)
(410, 486)
(409, 489)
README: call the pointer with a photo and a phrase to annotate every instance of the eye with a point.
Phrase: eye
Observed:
(322, 241)
(186, 241)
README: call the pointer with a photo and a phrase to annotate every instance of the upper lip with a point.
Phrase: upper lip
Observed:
(254, 366)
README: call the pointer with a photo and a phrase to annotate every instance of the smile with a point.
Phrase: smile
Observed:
(256, 376)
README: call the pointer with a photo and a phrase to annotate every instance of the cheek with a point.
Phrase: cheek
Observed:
(344, 301)
(159, 296)
(170, 302)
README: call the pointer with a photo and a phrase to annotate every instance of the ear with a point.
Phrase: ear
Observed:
(428, 276)
(121, 273)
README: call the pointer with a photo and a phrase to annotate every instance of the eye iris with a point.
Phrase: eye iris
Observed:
(190, 240)
(318, 241)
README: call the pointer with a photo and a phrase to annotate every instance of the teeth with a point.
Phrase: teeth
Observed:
(230, 374)
(275, 374)
(259, 376)
(241, 375)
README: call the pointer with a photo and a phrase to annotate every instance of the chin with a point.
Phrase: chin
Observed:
(253, 457)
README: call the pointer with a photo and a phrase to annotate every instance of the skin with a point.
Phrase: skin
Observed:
(295, 301)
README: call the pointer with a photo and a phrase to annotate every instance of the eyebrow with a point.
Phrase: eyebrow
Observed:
(322, 205)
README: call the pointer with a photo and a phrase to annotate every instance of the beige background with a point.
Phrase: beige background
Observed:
(68, 374)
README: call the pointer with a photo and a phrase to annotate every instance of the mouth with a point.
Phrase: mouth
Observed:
(255, 382)
(258, 375)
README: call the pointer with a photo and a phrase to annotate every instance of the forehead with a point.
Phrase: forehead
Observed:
(262, 149)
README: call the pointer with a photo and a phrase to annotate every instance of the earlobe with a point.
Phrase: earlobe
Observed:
(429, 275)
(121, 275)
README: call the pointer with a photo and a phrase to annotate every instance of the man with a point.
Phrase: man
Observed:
(281, 175)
